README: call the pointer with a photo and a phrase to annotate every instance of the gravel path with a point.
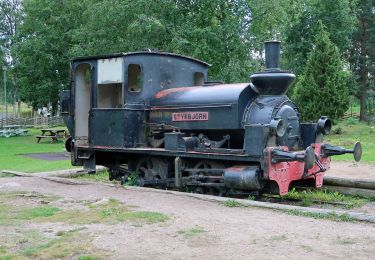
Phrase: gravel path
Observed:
(354, 170)
(229, 233)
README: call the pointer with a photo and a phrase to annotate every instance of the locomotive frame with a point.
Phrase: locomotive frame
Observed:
(156, 114)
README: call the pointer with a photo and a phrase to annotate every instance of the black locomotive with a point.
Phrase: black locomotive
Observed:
(156, 116)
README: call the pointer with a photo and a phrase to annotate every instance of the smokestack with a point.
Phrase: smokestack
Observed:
(272, 54)
(272, 81)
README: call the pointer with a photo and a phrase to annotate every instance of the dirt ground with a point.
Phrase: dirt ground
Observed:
(205, 230)
(353, 169)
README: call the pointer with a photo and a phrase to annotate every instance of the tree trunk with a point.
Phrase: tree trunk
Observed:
(363, 70)
(363, 103)
(14, 97)
(19, 108)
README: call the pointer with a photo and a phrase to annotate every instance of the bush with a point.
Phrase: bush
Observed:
(322, 88)
(351, 121)
(337, 131)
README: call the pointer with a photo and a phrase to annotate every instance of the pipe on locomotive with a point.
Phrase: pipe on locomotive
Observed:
(272, 55)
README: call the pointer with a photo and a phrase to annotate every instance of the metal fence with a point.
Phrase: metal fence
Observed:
(51, 121)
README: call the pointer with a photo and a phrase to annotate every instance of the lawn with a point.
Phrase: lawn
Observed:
(352, 131)
(12, 147)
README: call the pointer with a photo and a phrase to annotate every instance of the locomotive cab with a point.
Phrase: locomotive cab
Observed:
(121, 84)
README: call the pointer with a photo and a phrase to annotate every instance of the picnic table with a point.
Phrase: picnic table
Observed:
(13, 130)
(54, 134)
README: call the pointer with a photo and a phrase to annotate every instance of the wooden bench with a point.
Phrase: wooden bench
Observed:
(54, 134)
(39, 137)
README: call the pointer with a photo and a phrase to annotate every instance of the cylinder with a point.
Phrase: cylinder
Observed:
(243, 178)
(272, 54)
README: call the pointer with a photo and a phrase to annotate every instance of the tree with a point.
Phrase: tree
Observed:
(211, 30)
(362, 58)
(228, 34)
(40, 52)
(337, 17)
(10, 19)
(322, 89)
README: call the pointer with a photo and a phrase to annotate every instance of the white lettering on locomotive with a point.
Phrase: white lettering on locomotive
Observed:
(190, 116)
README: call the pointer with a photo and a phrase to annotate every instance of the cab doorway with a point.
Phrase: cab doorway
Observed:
(83, 83)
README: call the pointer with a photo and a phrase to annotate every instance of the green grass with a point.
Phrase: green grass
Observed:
(332, 216)
(88, 257)
(6, 175)
(192, 232)
(232, 203)
(309, 197)
(13, 214)
(101, 176)
(33, 244)
(38, 212)
(107, 212)
(60, 247)
(11, 147)
(111, 212)
(18, 208)
(353, 131)
(66, 245)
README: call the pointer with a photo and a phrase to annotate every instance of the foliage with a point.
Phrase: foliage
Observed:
(11, 16)
(208, 30)
(40, 52)
(227, 34)
(132, 179)
(322, 89)
(335, 15)
(223, 33)
(362, 52)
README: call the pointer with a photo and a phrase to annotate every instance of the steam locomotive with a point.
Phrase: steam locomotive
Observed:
(156, 117)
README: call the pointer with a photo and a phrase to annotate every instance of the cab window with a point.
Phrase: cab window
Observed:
(134, 78)
(198, 79)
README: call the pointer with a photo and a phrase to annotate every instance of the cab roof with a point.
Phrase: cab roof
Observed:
(124, 54)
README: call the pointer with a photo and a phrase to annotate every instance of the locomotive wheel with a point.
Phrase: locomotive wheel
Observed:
(149, 169)
(206, 164)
